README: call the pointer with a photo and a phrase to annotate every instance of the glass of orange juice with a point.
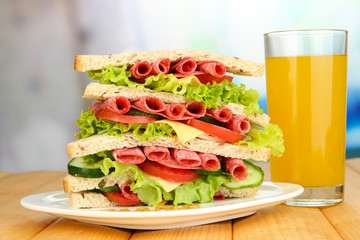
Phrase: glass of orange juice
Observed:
(306, 72)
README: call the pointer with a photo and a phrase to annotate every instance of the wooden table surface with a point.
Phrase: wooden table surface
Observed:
(279, 222)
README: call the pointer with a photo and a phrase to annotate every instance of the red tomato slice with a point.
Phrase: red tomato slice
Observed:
(217, 131)
(205, 78)
(167, 173)
(121, 199)
(111, 116)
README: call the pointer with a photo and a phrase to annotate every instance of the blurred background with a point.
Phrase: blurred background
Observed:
(40, 96)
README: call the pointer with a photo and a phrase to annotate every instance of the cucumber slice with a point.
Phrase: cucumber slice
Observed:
(212, 121)
(135, 112)
(206, 172)
(254, 179)
(78, 168)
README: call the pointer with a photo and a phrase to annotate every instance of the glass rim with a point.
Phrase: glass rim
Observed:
(305, 31)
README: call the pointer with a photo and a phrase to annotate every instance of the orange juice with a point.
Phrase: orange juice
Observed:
(306, 97)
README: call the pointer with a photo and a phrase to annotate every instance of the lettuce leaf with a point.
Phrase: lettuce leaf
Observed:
(201, 190)
(212, 95)
(271, 136)
(90, 125)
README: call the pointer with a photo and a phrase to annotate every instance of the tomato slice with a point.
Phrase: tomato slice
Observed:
(170, 174)
(217, 131)
(205, 78)
(112, 116)
(121, 199)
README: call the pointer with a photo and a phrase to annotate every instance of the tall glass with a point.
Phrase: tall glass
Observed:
(306, 74)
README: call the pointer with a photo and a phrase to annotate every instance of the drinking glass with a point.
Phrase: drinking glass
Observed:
(306, 72)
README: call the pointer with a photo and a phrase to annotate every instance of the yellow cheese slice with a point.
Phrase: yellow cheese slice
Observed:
(168, 186)
(184, 132)
(190, 79)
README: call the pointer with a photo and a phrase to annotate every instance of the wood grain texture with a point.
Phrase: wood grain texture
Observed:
(16, 221)
(345, 217)
(284, 222)
(5, 174)
(354, 164)
(216, 231)
(65, 228)
(16, 186)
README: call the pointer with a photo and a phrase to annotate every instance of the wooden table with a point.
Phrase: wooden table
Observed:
(279, 222)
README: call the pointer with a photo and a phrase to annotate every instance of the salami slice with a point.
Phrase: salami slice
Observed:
(186, 157)
(171, 162)
(126, 191)
(148, 104)
(118, 104)
(161, 66)
(236, 168)
(156, 153)
(214, 68)
(195, 109)
(174, 111)
(222, 114)
(209, 161)
(129, 155)
(184, 67)
(96, 107)
(219, 196)
(140, 70)
(239, 124)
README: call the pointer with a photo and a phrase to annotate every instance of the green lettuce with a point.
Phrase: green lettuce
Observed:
(212, 95)
(201, 190)
(90, 125)
(271, 136)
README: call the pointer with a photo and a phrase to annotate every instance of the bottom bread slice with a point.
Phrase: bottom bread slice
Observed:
(97, 200)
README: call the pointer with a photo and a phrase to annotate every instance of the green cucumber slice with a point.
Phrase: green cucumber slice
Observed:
(78, 168)
(206, 172)
(254, 179)
(212, 121)
(135, 112)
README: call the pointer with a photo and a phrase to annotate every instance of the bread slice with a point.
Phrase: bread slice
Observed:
(98, 143)
(101, 92)
(233, 64)
(97, 200)
(80, 198)
(77, 184)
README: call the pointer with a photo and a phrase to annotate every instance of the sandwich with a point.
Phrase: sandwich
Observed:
(168, 127)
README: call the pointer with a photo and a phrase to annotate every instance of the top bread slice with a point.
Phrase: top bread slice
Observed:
(233, 65)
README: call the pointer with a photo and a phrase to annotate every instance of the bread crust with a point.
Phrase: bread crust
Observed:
(98, 143)
(233, 65)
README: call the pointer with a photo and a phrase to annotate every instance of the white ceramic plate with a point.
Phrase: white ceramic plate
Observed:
(269, 194)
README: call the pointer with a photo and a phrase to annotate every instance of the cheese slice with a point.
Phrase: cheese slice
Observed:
(190, 79)
(168, 186)
(184, 132)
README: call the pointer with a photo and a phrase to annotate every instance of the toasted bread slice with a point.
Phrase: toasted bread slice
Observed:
(101, 92)
(97, 200)
(98, 143)
(233, 64)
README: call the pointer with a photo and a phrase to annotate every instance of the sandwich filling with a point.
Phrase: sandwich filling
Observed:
(150, 175)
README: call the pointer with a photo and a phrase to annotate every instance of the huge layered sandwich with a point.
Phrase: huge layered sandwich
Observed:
(168, 126)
